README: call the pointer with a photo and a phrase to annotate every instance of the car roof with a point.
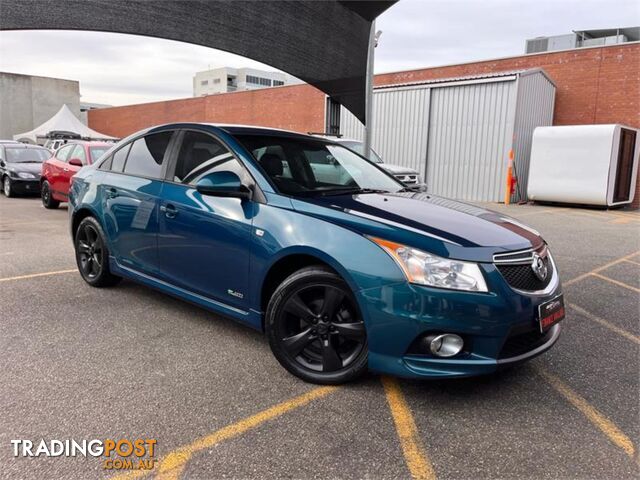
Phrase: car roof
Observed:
(88, 143)
(237, 129)
(23, 145)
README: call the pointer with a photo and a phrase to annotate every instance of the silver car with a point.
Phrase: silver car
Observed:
(408, 176)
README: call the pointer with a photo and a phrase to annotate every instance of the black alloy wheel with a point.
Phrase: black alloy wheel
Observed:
(92, 254)
(315, 329)
(47, 200)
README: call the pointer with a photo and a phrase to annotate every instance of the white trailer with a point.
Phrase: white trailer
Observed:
(584, 164)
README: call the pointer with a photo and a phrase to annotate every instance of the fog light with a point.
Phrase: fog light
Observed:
(445, 345)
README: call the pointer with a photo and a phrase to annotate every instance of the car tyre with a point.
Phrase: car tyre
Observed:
(47, 198)
(315, 328)
(92, 254)
(7, 187)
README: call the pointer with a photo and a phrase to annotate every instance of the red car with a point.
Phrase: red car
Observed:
(58, 170)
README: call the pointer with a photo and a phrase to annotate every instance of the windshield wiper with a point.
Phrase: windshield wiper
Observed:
(351, 191)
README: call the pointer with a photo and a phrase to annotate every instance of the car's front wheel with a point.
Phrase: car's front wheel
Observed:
(7, 187)
(92, 254)
(47, 199)
(315, 328)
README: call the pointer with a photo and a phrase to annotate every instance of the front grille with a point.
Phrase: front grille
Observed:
(516, 268)
(410, 179)
(522, 343)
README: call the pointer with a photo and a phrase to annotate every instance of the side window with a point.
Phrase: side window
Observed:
(117, 164)
(63, 152)
(201, 154)
(79, 153)
(145, 157)
(267, 156)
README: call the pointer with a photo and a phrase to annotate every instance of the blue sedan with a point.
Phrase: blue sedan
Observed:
(341, 265)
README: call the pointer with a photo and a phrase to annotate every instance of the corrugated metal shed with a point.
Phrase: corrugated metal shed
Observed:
(457, 132)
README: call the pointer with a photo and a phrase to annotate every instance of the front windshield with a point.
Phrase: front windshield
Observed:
(358, 147)
(305, 167)
(27, 155)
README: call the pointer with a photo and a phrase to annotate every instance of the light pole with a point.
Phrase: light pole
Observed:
(368, 115)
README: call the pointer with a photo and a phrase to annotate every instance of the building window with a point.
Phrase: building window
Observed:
(277, 83)
(266, 82)
(216, 80)
(204, 82)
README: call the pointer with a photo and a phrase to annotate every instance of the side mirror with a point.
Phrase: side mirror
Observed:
(223, 184)
(2, 164)
(76, 162)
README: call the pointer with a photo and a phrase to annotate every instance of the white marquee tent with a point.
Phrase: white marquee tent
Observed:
(63, 121)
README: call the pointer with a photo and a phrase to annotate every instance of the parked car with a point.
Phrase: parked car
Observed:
(68, 160)
(20, 166)
(341, 274)
(406, 175)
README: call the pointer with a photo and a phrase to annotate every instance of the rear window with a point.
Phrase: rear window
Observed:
(27, 155)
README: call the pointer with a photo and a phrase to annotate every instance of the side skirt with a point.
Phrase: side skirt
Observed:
(250, 318)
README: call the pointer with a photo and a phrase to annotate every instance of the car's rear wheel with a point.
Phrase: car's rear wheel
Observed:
(315, 328)
(47, 199)
(7, 187)
(92, 254)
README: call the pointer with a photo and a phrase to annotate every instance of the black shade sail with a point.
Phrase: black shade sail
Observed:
(323, 43)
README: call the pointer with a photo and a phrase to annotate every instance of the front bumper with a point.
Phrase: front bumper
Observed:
(499, 328)
(22, 186)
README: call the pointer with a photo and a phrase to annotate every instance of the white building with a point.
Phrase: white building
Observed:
(227, 79)
(582, 38)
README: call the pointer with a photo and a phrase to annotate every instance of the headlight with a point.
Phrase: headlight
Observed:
(26, 175)
(425, 268)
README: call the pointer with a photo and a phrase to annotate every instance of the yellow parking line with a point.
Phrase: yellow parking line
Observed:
(605, 323)
(417, 461)
(35, 275)
(613, 433)
(172, 464)
(631, 261)
(599, 269)
(616, 282)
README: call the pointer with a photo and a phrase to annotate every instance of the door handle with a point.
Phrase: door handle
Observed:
(65, 169)
(169, 210)
(112, 193)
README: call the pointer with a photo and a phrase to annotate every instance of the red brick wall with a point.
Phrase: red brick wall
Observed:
(594, 85)
(297, 107)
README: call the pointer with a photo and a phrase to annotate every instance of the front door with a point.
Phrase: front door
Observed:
(203, 241)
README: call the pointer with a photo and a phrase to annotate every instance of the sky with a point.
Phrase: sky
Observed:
(121, 69)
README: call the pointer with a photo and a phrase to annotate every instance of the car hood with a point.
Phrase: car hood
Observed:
(439, 225)
(34, 168)
(397, 169)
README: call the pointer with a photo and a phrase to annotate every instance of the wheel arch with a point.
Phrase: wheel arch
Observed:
(80, 215)
(291, 261)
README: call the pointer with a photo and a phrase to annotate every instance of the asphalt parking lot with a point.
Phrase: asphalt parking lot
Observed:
(77, 362)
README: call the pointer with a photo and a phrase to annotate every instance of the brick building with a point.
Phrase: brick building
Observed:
(594, 85)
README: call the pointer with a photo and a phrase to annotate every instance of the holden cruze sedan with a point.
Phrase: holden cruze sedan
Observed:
(342, 270)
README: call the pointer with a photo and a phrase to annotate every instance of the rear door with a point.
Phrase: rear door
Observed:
(203, 241)
(130, 191)
(68, 171)
(54, 171)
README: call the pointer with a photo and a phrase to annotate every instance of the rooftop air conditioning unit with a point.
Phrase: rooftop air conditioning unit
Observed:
(584, 164)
